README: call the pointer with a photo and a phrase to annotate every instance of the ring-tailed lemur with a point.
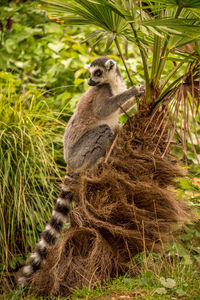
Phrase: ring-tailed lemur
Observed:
(88, 133)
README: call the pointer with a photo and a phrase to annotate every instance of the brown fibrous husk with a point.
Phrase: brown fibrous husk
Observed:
(124, 206)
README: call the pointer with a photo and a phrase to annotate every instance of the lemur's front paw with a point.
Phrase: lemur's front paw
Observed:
(141, 90)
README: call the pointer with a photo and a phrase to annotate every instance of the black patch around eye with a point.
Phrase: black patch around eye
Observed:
(111, 67)
(98, 73)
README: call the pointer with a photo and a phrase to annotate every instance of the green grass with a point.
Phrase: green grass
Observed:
(156, 277)
(30, 154)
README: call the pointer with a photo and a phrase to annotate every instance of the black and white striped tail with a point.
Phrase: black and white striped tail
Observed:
(48, 237)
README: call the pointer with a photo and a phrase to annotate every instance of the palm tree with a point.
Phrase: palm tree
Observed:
(127, 208)
(164, 28)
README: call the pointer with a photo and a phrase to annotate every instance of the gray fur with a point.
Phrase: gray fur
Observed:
(90, 148)
(98, 109)
(100, 62)
(111, 104)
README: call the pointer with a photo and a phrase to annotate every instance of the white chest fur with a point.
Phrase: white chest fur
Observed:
(117, 86)
(111, 121)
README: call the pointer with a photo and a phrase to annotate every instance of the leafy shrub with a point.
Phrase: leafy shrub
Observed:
(39, 51)
(30, 145)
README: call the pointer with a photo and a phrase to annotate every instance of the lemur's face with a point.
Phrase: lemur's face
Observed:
(102, 73)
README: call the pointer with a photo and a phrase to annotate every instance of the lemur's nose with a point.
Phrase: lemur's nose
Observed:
(92, 82)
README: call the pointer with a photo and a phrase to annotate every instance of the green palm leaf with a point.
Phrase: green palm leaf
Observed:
(180, 3)
(87, 12)
(186, 27)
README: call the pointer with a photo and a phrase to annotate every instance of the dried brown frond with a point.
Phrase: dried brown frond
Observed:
(180, 113)
(125, 206)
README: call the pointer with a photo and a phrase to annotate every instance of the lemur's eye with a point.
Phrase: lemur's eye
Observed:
(98, 73)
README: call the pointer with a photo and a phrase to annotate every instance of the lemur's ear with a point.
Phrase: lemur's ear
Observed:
(87, 66)
(109, 64)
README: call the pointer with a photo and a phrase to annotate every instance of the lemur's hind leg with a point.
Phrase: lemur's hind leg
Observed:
(90, 148)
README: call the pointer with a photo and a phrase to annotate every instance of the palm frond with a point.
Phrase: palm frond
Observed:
(184, 27)
(180, 113)
(179, 3)
(87, 12)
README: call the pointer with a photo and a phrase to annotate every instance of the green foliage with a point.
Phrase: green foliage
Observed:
(39, 52)
(30, 145)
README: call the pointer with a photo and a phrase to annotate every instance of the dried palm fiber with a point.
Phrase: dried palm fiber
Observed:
(122, 207)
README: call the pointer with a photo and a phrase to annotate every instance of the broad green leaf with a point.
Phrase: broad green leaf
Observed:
(10, 45)
(66, 62)
(79, 73)
(4, 58)
(57, 46)
(53, 28)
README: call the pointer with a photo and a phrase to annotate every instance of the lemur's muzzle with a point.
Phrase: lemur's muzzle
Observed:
(92, 82)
